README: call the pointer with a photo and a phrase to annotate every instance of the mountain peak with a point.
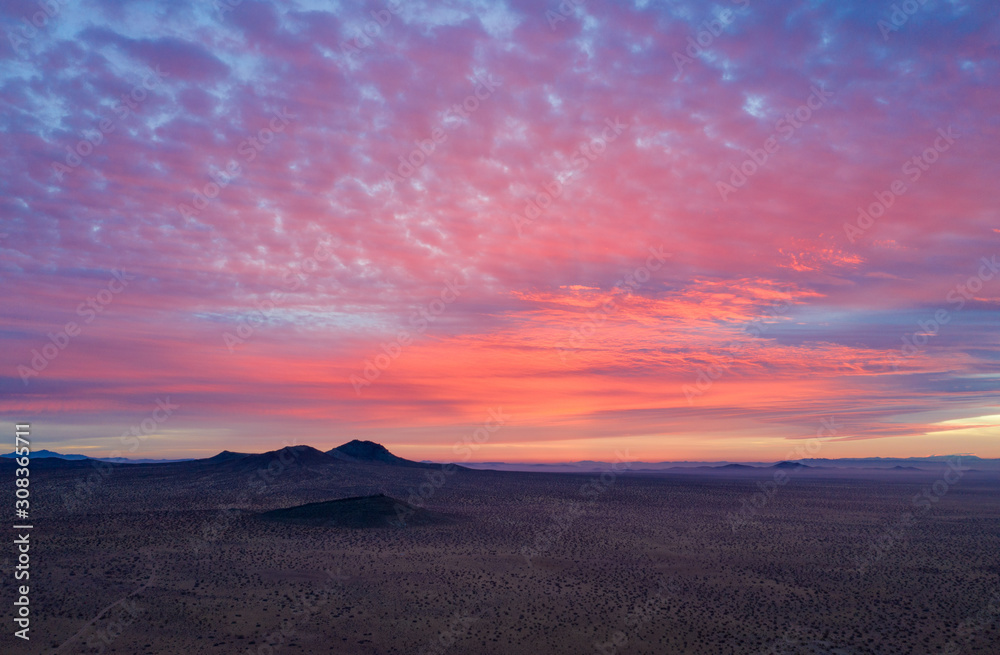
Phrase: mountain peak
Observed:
(368, 451)
(790, 465)
(288, 456)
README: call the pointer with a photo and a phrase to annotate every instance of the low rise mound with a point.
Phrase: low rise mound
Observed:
(365, 512)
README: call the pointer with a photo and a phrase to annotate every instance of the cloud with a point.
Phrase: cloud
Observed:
(491, 110)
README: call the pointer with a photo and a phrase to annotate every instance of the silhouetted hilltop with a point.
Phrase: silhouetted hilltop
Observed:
(284, 459)
(225, 456)
(289, 456)
(369, 451)
(51, 454)
(378, 511)
(790, 465)
(45, 454)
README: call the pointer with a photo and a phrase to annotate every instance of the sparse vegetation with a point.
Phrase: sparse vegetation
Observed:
(786, 583)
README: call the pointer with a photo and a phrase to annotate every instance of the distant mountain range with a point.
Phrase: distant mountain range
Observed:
(47, 453)
(932, 463)
(43, 454)
(302, 456)
(370, 451)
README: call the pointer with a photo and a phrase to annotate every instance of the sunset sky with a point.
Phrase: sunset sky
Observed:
(296, 233)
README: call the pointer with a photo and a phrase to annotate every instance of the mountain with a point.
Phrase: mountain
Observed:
(289, 456)
(51, 454)
(377, 511)
(934, 461)
(735, 466)
(126, 460)
(600, 467)
(42, 454)
(827, 465)
(790, 465)
(225, 456)
(369, 451)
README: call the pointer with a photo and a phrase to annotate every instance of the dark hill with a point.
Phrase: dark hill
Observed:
(790, 465)
(289, 456)
(369, 451)
(378, 511)
(225, 456)
(736, 466)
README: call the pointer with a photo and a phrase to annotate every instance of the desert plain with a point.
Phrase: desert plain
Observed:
(200, 557)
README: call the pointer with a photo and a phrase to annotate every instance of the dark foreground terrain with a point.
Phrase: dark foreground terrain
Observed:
(179, 558)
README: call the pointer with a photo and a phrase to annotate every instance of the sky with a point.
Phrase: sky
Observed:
(482, 230)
